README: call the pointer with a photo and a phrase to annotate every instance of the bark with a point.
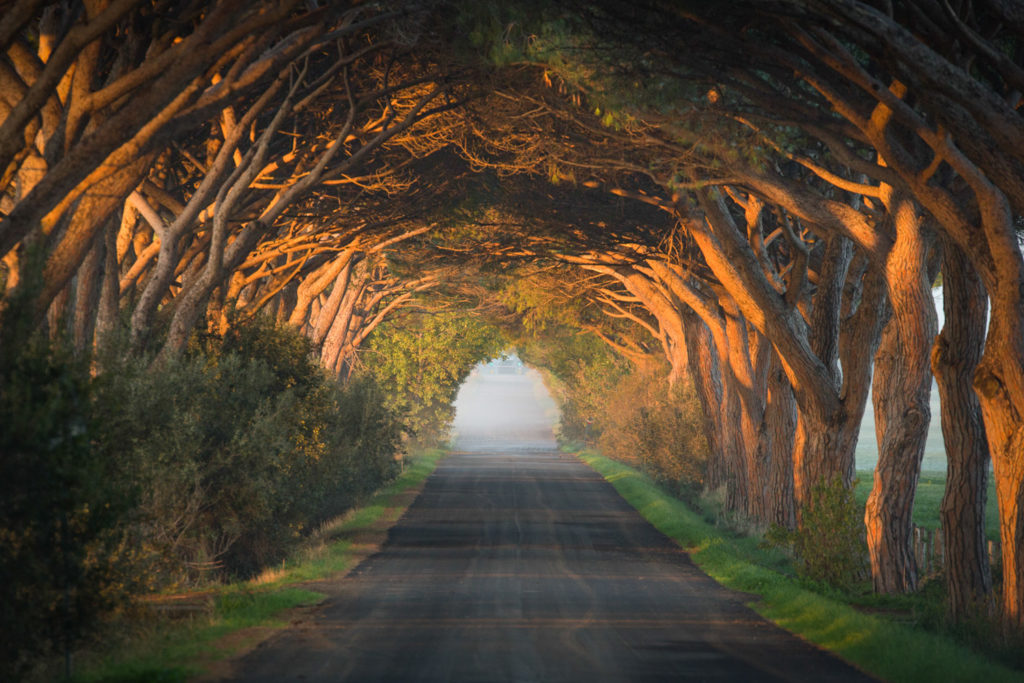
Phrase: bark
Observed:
(955, 358)
(1004, 428)
(984, 230)
(107, 315)
(90, 214)
(733, 466)
(341, 271)
(748, 363)
(87, 291)
(707, 380)
(191, 301)
(780, 419)
(119, 138)
(338, 332)
(902, 387)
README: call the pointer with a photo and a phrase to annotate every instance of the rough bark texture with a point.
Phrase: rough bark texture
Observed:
(955, 357)
(780, 418)
(902, 387)
(87, 294)
(106, 316)
(707, 381)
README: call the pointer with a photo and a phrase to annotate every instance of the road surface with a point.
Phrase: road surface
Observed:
(521, 564)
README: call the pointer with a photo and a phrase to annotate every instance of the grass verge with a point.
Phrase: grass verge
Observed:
(891, 651)
(230, 618)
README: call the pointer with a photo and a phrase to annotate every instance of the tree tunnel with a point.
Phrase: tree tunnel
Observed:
(741, 207)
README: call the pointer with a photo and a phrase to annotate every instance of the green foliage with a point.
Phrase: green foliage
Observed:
(59, 502)
(133, 478)
(579, 369)
(59, 506)
(631, 414)
(661, 429)
(236, 451)
(173, 650)
(829, 545)
(421, 360)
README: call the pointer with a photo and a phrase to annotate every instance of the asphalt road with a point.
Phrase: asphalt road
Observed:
(518, 564)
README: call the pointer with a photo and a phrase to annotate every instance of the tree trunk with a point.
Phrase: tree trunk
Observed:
(329, 311)
(902, 387)
(89, 216)
(955, 358)
(106, 316)
(1004, 429)
(87, 291)
(191, 302)
(780, 418)
(337, 334)
(734, 465)
(314, 284)
(706, 377)
(822, 452)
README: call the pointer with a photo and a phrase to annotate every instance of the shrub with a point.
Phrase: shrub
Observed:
(60, 507)
(144, 477)
(829, 544)
(657, 428)
(237, 449)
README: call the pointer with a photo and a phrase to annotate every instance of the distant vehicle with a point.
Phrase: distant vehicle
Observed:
(506, 366)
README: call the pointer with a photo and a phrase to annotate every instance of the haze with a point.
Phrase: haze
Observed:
(504, 405)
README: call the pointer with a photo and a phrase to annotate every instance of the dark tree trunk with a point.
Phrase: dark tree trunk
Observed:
(106, 316)
(955, 358)
(87, 291)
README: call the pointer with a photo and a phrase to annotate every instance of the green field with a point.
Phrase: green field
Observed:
(928, 500)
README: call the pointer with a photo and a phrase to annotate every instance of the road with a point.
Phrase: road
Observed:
(522, 564)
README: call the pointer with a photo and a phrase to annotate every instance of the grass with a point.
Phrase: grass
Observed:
(231, 617)
(930, 488)
(887, 649)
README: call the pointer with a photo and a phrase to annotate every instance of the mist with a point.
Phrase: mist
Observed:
(504, 405)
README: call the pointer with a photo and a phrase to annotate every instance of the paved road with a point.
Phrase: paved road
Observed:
(525, 565)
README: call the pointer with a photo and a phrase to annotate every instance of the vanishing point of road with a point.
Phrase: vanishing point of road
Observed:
(519, 563)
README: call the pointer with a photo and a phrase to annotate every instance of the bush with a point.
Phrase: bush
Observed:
(660, 429)
(137, 477)
(239, 448)
(829, 544)
(60, 507)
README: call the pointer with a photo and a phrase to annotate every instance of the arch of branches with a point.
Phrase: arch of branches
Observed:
(760, 193)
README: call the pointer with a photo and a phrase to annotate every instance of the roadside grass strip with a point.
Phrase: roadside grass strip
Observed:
(888, 650)
(239, 614)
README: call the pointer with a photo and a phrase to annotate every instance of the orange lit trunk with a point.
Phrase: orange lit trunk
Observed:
(902, 387)
(1004, 427)
(780, 419)
(706, 377)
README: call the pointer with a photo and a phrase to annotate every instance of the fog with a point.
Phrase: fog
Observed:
(504, 405)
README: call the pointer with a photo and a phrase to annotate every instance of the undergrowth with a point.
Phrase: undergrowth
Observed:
(150, 645)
